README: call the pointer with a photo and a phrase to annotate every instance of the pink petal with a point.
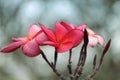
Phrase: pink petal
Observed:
(65, 47)
(90, 32)
(100, 39)
(48, 32)
(41, 38)
(12, 47)
(67, 26)
(51, 43)
(60, 31)
(82, 27)
(19, 39)
(92, 41)
(75, 36)
(31, 48)
(33, 30)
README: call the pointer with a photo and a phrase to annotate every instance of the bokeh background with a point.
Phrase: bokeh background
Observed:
(103, 16)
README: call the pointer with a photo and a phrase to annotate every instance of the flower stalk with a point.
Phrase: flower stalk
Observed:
(96, 70)
(55, 57)
(82, 57)
(70, 65)
(52, 66)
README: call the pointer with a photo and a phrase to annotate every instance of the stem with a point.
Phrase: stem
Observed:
(55, 57)
(96, 70)
(69, 65)
(45, 58)
(93, 74)
(79, 67)
(94, 61)
(82, 57)
(52, 66)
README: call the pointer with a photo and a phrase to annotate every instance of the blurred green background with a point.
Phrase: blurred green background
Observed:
(102, 16)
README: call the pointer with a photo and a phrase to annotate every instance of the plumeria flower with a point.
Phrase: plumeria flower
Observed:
(94, 38)
(62, 38)
(29, 44)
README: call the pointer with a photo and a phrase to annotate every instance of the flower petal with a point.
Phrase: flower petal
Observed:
(31, 48)
(75, 36)
(82, 27)
(100, 39)
(12, 47)
(41, 38)
(33, 30)
(65, 47)
(90, 32)
(67, 25)
(51, 43)
(92, 41)
(19, 39)
(48, 32)
(60, 31)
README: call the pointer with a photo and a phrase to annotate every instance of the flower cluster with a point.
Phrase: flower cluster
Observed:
(63, 37)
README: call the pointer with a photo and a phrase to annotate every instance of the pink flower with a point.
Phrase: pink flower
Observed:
(30, 46)
(62, 38)
(94, 38)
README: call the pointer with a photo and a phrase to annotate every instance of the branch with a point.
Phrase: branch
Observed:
(82, 57)
(105, 51)
(94, 61)
(96, 70)
(81, 62)
(52, 66)
(90, 77)
(55, 57)
(69, 65)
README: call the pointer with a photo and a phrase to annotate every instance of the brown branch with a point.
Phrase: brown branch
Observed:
(52, 66)
(82, 57)
(90, 77)
(80, 65)
(105, 51)
(96, 70)
(94, 61)
(55, 57)
(80, 61)
(69, 65)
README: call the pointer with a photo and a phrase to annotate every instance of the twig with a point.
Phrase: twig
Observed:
(94, 61)
(90, 77)
(80, 65)
(52, 66)
(55, 57)
(69, 65)
(105, 51)
(82, 57)
(100, 62)
(80, 61)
